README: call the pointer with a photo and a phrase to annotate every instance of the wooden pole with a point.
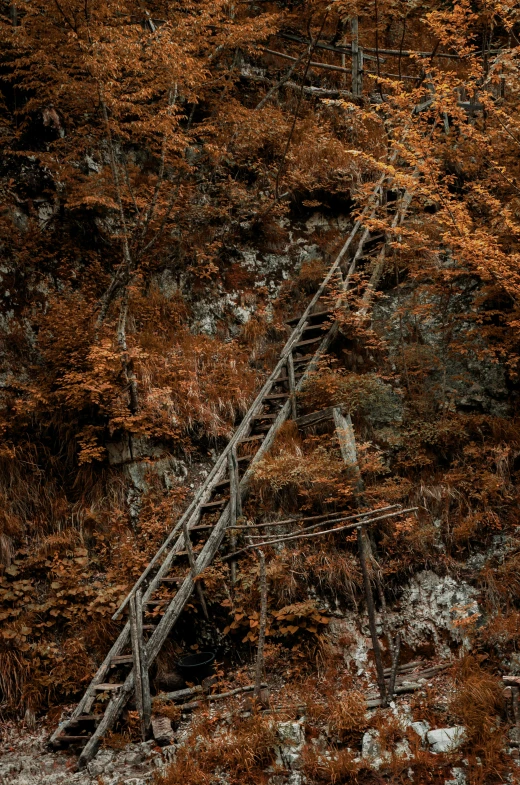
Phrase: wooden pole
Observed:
(191, 559)
(292, 385)
(371, 616)
(347, 444)
(145, 677)
(136, 654)
(262, 624)
(354, 30)
(233, 497)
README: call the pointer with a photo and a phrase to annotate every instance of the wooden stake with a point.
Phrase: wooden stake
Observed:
(145, 678)
(347, 444)
(371, 616)
(191, 559)
(292, 385)
(262, 624)
(141, 683)
(233, 506)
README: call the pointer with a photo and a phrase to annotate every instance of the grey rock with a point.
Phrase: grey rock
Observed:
(292, 738)
(421, 728)
(459, 777)
(446, 739)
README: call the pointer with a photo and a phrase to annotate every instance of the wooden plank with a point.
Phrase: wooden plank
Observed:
(212, 506)
(316, 315)
(306, 420)
(303, 360)
(264, 416)
(125, 659)
(307, 342)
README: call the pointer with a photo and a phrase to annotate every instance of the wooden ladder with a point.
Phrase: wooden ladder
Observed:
(194, 541)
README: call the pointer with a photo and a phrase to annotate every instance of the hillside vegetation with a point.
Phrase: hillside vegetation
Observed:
(173, 191)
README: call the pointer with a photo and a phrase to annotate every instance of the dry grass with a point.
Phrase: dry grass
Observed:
(336, 767)
(477, 704)
(240, 754)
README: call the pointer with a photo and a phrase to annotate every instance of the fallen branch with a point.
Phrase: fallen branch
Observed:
(219, 696)
(317, 517)
(318, 534)
(312, 64)
(318, 92)
(327, 523)
(392, 52)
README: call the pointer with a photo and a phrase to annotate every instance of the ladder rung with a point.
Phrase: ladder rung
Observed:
(252, 438)
(123, 659)
(265, 416)
(83, 718)
(305, 359)
(246, 458)
(73, 739)
(149, 626)
(221, 484)
(213, 505)
(107, 687)
(307, 343)
(276, 396)
(375, 239)
(315, 315)
(174, 578)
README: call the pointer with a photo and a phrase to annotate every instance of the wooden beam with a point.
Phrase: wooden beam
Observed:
(306, 420)
(323, 66)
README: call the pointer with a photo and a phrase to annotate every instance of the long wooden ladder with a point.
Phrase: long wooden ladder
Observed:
(311, 337)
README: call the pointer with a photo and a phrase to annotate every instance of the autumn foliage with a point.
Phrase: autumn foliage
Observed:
(170, 195)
